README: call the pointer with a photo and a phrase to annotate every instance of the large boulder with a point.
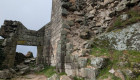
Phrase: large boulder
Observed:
(54, 77)
(29, 55)
(82, 62)
(98, 62)
(22, 69)
(121, 39)
(89, 73)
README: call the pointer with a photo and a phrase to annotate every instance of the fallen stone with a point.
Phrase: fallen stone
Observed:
(119, 74)
(89, 73)
(29, 55)
(6, 74)
(79, 20)
(28, 61)
(54, 77)
(85, 34)
(122, 5)
(82, 62)
(112, 71)
(64, 77)
(98, 62)
(24, 70)
(129, 73)
(124, 17)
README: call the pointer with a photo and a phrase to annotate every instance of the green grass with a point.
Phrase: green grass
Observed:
(88, 61)
(118, 23)
(62, 73)
(138, 78)
(115, 57)
(76, 78)
(48, 71)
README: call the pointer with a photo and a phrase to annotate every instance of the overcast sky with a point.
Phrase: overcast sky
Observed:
(32, 13)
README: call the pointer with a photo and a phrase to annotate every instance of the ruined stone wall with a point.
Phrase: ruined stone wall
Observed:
(64, 42)
(15, 33)
(56, 28)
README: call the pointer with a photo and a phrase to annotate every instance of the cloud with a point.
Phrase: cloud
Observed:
(34, 14)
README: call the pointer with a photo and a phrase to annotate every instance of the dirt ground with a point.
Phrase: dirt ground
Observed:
(31, 77)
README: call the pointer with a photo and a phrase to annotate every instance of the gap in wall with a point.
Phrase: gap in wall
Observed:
(1, 37)
(25, 49)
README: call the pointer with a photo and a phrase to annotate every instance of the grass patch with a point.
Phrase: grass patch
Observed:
(62, 73)
(138, 78)
(115, 57)
(88, 61)
(48, 71)
(134, 16)
(76, 78)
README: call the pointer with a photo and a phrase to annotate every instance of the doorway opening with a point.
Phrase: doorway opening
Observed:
(26, 49)
(1, 37)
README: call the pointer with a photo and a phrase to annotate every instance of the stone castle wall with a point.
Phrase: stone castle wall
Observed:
(64, 42)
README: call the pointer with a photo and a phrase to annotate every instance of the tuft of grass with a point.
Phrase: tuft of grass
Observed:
(138, 78)
(88, 61)
(76, 78)
(62, 73)
(48, 71)
(115, 57)
(134, 56)
(118, 23)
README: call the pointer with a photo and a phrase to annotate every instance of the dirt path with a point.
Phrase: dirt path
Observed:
(31, 77)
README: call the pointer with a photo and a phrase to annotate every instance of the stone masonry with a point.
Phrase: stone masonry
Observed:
(48, 39)
(63, 42)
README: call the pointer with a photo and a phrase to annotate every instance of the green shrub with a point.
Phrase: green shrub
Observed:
(76, 78)
(48, 71)
(62, 73)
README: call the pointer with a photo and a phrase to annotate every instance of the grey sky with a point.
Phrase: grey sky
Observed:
(32, 13)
